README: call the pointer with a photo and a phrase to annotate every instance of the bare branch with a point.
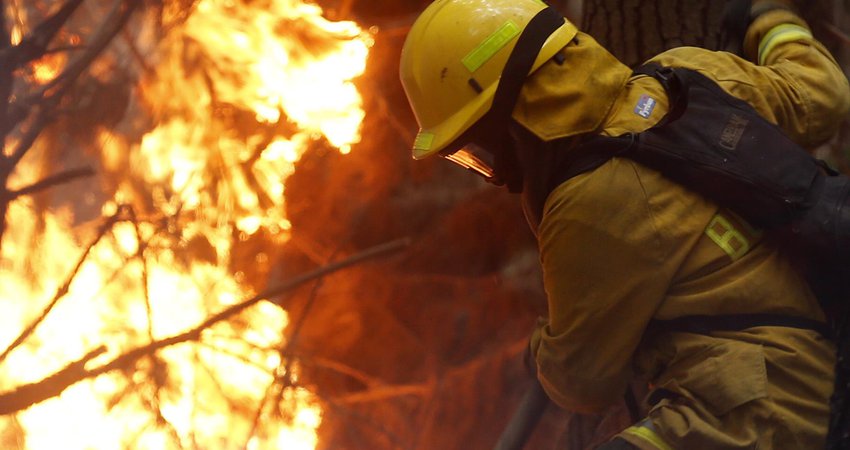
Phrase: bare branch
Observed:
(44, 104)
(283, 378)
(52, 92)
(292, 340)
(5, 76)
(29, 394)
(129, 358)
(34, 45)
(276, 291)
(61, 291)
(140, 253)
(385, 392)
(258, 414)
(233, 354)
(52, 180)
(44, 114)
(339, 367)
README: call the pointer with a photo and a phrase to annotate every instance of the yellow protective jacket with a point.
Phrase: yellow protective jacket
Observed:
(622, 245)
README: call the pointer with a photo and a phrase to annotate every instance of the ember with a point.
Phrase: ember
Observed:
(237, 92)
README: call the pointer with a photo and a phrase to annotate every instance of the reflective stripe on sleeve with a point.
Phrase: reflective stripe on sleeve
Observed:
(724, 234)
(645, 431)
(732, 234)
(781, 34)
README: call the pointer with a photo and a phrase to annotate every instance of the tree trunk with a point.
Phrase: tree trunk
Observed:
(635, 30)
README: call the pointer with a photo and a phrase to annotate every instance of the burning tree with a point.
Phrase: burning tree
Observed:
(127, 319)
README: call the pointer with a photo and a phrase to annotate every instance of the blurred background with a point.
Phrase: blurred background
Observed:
(215, 236)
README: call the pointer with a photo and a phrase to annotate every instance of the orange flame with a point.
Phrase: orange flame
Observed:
(48, 67)
(277, 76)
(240, 91)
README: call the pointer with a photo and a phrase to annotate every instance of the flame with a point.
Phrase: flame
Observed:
(48, 67)
(239, 92)
(106, 302)
(277, 76)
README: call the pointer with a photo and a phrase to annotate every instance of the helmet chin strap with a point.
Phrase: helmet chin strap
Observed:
(508, 171)
(498, 119)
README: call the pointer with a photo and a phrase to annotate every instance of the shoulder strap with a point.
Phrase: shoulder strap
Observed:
(589, 155)
(676, 87)
(597, 150)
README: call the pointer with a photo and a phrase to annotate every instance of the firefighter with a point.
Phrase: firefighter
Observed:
(621, 246)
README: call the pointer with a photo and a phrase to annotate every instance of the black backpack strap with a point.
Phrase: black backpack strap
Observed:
(704, 324)
(591, 153)
(594, 151)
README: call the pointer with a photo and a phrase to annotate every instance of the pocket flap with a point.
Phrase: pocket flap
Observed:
(730, 375)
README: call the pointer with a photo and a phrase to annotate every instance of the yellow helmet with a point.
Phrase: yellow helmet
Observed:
(454, 57)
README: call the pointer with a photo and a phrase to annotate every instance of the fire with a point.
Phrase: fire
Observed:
(48, 67)
(240, 90)
(277, 76)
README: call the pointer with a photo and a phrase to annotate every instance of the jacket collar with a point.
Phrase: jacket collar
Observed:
(573, 97)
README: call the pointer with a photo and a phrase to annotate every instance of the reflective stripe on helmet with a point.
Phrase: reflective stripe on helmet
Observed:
(781, 34)
(423, 141)
(481, 54)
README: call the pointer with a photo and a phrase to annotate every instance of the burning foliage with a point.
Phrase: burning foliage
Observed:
(124, 322)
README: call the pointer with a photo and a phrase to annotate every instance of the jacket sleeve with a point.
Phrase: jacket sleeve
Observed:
(608, 250)
(810, 92)
(791, 79)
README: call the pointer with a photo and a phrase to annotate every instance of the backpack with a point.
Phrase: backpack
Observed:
(720, 147)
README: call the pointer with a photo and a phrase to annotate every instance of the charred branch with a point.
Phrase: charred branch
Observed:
(48, 97)
(60, 292)
(34, 45)
(115, 21)
(46, 101)
(51, 181)
(53, 385)
(283, 379)
(5, 82)
(50, 94)
(29, 394)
